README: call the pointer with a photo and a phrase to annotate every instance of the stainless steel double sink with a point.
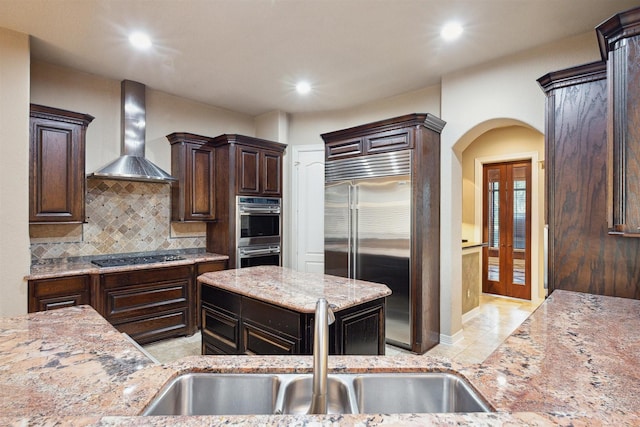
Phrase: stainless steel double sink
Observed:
(255, 394)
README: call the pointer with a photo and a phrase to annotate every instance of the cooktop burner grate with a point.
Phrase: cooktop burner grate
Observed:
(134, 260)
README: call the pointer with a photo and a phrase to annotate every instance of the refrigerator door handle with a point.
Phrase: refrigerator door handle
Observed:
(353, 235)
(349, 233)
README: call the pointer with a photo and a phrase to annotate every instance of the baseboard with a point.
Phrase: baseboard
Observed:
(470, 314)
(452, 339)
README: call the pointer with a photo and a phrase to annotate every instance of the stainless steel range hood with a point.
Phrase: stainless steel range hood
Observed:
(132, 164)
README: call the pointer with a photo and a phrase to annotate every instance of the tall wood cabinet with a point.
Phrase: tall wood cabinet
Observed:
(419, 133)
(244, 166)
(57, 165)
(619, 40)
(193, 164)
(582, 255)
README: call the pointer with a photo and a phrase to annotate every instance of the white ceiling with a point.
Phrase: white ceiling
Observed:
(246, 55)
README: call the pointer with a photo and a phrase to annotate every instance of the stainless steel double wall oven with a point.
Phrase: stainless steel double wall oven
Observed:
(259, 236)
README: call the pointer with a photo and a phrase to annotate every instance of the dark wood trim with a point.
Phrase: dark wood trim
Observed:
(573, 76)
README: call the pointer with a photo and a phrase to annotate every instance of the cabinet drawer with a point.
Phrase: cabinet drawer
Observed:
(272, 317)
(221, 329)
(345, 148)
(144, 276)
(388, 141)
(217, 298)
(48, 294)
(260, 341)
(152, 328)
(131, 301)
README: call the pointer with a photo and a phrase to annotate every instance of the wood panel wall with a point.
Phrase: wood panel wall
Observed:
(582, 255)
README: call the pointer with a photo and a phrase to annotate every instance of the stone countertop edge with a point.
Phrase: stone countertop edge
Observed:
(473, 245)
(295, 290)
(65, 268)
(574, 362)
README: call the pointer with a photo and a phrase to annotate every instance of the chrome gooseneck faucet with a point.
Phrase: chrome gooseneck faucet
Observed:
(323, 318)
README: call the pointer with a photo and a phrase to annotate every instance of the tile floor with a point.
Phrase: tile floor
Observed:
(494, 320)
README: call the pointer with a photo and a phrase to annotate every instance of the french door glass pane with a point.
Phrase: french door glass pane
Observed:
(519, 243)
(493, 216)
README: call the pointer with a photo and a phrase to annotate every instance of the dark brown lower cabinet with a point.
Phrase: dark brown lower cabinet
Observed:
(149, 304)
(59, 292)
(235, 324)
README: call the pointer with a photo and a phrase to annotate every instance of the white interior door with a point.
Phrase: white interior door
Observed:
(308, 204)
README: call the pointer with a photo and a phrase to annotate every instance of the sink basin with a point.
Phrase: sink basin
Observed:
(261, 394)
(296, 396)
(217, 394)
(415, 393)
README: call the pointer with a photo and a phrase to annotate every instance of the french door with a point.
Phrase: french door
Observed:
(506, 263)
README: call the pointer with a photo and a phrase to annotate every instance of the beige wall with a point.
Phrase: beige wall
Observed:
(306, 128)
(70, 89)
(14, 171)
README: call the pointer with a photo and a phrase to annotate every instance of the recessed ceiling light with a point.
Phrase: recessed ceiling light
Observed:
(451, 31)
(140, 40)
(303, 88)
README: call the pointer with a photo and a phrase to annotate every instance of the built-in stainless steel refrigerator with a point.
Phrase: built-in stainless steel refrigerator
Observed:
(368, 229)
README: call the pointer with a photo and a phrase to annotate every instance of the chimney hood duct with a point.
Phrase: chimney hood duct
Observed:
(132, 165)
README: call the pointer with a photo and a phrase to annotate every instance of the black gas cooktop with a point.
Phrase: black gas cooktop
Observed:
(134, 260)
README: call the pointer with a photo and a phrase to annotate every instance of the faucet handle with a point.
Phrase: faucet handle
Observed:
(330, 316)
(322, 305)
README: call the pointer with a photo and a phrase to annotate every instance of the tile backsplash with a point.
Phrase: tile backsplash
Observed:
(121, 217)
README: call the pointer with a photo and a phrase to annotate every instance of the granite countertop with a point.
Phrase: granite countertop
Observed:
(295, 290)
(574, 362)
(473, 245)
(62, 267)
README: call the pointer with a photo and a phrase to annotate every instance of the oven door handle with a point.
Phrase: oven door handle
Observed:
(245, 209)
(259, 251)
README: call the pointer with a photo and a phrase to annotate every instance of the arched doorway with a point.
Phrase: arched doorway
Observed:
(501, 142)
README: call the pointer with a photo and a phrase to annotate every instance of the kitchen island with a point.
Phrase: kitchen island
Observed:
(270, 310)
(574, 362)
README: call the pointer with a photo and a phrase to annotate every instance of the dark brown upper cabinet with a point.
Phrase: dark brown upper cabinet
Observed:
(193, 163)
(257, 164)
(245, 166)
(57, 165)
(619, 40)
(258, 171)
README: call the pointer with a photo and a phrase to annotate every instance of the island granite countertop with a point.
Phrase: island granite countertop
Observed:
(574, 362)
(293, 289)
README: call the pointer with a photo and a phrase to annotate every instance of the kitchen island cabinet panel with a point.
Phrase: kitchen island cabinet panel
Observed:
(48, 294)
(358, 332)
(201, 268)
(275, 310)
(261, 341)
(220, 330)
